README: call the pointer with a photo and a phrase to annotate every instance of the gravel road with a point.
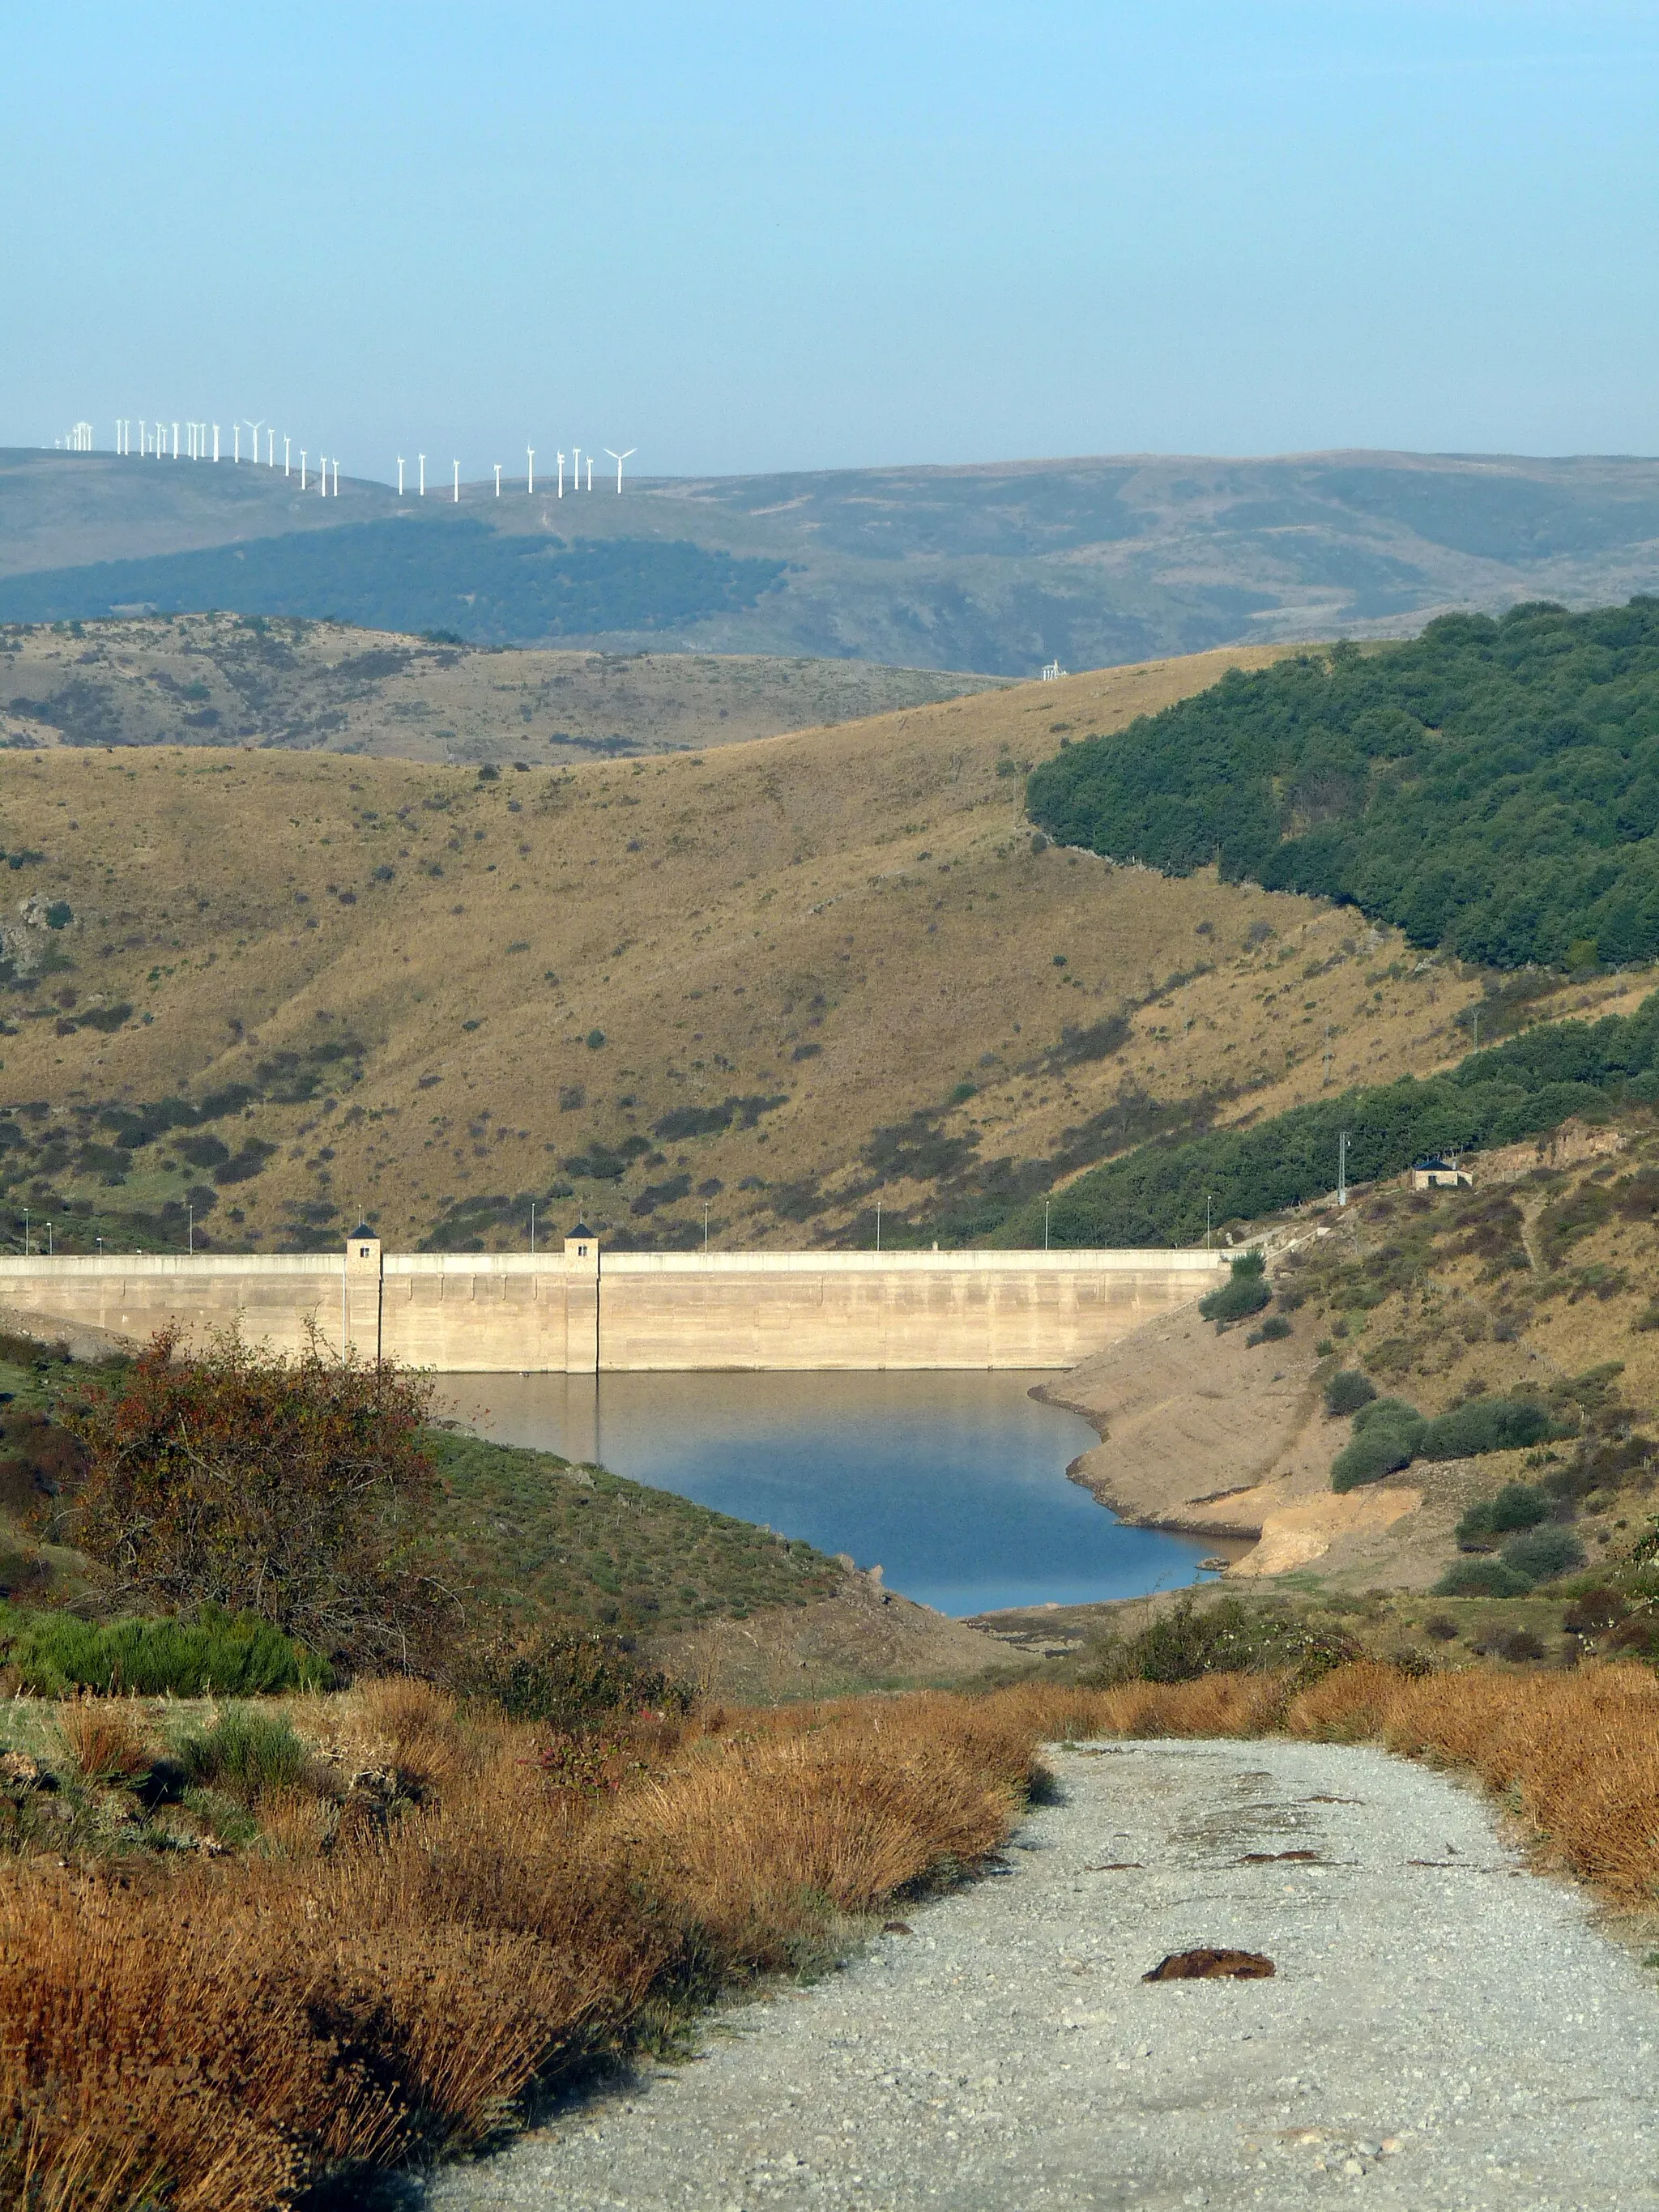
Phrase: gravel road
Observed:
(1444, 2032)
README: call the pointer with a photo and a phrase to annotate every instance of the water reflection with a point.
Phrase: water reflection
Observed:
(955, 1485)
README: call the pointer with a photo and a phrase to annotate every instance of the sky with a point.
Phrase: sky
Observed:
(745, 238)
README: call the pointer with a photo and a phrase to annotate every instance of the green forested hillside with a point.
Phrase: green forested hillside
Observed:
(1157, 1195)
(1492, 786)
(452, 575)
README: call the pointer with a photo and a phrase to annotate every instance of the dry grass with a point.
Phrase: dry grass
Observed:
(342, 1998)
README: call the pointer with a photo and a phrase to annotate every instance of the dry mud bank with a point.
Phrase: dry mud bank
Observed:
(1207, 1433)
(1443, 2031)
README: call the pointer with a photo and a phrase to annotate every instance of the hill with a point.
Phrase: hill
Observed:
(787, 980)
(1001, 567)
(211, 680)
(1492, 788)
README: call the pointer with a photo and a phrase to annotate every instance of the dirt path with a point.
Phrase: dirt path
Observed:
(1444, 2031)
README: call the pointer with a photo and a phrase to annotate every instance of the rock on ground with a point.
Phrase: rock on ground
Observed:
(1444, 2031)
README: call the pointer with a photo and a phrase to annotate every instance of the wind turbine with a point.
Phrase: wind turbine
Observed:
(561, 475)
(619, 458)
(256, 427)
(141, 437)
(422, 458)
(529, 468)
(270, 449)
(216, 441)
(400, 476)
(286, 442)
(175, 441)
(457, 467)
(337, 476)
(302, 468)
(576, 468)
(590, 473)
(498, 479)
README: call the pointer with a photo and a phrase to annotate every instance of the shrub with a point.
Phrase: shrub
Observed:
(1482, 1578)
(1273, 1330)
(1348, 1390)
(1227, 1638)
(1369, 1458)
(1484, 1425)
(1519, 1644)
(289, 1490)
(573, 1678)
(1518, 1506)
(237, 1655)
(1541, 1555)
(245, 1754)
(1245, 1292)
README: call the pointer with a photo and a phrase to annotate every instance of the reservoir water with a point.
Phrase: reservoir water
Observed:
(954, 1484)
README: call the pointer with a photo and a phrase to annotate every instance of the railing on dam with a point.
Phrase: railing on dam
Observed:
(611, 1312)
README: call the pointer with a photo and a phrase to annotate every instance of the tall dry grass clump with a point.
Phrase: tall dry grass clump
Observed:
(445, 1907)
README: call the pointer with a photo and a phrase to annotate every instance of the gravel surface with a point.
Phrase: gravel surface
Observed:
(1444, 2031)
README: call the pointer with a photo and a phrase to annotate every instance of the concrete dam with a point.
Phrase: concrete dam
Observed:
(585, 1311)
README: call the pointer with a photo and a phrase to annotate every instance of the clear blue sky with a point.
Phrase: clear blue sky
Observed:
(753, 237)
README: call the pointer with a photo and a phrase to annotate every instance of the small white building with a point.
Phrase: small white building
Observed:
(1436, 1174)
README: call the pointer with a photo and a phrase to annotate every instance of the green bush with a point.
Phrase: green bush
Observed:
(1225, 1638)
(1543, 1553)
(1518, 1506)
(1395, 1414)
(1484, 1425)
(245, 1754)
(1369, 1458)
(1482, 1578)
(1273, 1330)
(183, 1657)
(1245, 1292)
(1348, 1390)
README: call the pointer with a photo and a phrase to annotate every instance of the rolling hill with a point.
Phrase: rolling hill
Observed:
(787, 979)
(998, 568)
(216, 680)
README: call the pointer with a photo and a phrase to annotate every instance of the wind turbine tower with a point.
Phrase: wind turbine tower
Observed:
(286, 469)
(302, 468)
(457, 467)
(256, 427)
(619, 458)
(400, 476)
(530, 470)
(216, 441)
(590, 473)
(422, 458)
(561, 475)
(575, 468)
(498, 479)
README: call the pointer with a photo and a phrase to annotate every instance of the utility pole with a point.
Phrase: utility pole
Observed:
(1206, 1220)
(1045, 1223)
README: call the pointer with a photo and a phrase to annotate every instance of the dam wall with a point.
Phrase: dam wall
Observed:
(585, 1311)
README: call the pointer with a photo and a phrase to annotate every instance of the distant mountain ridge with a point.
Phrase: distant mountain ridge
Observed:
(999, 567)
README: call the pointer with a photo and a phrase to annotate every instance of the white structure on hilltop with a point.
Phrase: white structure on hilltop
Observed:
(1052, 671)
(79, 440)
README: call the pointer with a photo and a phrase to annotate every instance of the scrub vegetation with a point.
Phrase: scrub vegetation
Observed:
(383, 1921)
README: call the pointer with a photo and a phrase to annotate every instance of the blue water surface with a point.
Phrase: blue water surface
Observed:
(954, 1484)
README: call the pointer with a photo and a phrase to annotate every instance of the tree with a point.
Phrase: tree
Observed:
(292, 1489)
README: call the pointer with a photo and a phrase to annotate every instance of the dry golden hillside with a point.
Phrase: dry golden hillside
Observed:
(215, 679)
(793, 978)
